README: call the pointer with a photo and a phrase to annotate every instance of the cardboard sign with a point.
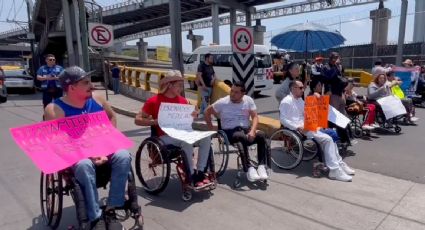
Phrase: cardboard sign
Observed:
(391, 106)
(58, 144)
(316, 113)
(176, 121)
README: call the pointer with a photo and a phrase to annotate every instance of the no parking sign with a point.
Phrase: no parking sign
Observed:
(101, 35)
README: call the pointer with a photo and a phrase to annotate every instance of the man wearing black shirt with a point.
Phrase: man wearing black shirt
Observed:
(335, 83)
(205, 78)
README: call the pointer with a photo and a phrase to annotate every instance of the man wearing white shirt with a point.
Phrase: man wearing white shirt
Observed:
(292, 117)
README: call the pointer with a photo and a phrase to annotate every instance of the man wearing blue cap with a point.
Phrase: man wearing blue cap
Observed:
(79, 100)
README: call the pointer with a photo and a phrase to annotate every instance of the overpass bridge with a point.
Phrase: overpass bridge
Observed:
(134, 20)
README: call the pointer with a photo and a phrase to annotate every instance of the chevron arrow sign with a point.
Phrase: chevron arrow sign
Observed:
(243, 70)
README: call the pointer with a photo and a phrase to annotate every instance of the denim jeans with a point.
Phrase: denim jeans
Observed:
(116, 85)
(203, 151)
(85, 173)
(205, 95)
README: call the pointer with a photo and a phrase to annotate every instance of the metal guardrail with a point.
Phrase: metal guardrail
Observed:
(142, 78)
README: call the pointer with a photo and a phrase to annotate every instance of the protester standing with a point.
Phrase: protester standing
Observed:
(205, 78)
(115, 78)
(48, 75)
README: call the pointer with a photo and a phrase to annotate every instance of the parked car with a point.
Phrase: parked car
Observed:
(19, 78)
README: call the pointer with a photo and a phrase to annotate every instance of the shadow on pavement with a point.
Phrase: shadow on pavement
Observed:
(171, 197)
(69, 218)
(229, 178)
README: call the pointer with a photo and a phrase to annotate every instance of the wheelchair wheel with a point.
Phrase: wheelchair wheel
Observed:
(310, 149)
(286, 149)
(51, 195)
(220, 147)
(356, 128)
(152, 166)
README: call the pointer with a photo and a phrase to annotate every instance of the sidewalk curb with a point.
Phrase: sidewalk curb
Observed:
(123, 111)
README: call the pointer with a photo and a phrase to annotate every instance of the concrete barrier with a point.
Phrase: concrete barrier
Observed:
(361, 77)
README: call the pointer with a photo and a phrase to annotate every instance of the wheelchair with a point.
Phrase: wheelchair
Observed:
(289, 148)
(54, 186)
(153, 167)
(222, 148)
(357, 119)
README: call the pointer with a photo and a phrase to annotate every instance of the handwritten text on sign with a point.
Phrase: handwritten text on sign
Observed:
(58, 144)
(316, 113)
(176, 121)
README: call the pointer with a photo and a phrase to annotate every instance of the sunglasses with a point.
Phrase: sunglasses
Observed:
(51, 59)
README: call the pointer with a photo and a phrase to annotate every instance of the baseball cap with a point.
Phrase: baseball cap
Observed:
(72, 75)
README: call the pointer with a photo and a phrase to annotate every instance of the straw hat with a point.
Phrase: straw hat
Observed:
(408, 62)
(171, 76)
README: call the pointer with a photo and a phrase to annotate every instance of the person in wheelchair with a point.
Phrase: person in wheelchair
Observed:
(377, 89)
(395, 86)
(357, 104)
(292, 117)
(234, 112)
(79, 100)
(170, 88)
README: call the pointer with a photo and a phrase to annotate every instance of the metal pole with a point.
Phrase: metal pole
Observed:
(84, 37)
(401, 32)
(105, 78)
(176, 37)
(215, 23)
(29, 7)
(68, 33)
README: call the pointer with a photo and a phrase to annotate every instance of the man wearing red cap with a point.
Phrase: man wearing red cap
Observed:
(316, 68)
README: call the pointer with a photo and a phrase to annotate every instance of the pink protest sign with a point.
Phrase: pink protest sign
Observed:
(58, 144)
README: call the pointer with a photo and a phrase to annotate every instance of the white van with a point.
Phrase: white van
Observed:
(223, 64)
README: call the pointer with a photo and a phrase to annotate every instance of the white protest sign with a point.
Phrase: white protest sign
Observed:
(391, 106)
(176, 121)
(337, 118)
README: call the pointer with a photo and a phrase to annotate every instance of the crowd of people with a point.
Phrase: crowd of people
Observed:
(238, 119)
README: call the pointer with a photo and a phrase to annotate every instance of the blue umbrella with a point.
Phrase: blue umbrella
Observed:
(307, 37)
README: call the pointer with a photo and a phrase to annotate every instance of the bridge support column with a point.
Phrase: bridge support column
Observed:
(419, 26)
(259, 31)
(401, 32)
(215, 23)
(118, 48)
(176, 35)
(248, 18)
(142, 48)
(72, 31)
(380, 19)
(196, 39)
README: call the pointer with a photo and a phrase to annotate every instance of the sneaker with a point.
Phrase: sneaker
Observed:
(203, 178)
(368, 127)
(262, 172)
(347, 169)
(252, 174)
(375, 125)
(414, 119)
(198, 180)
(98, 224)
(111, 220)
(354, 142)
(339, 174)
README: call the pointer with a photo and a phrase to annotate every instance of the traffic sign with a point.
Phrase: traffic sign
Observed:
(101, 35)
(242, 39)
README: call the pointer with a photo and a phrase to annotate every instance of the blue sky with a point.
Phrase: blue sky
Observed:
(353, 22)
